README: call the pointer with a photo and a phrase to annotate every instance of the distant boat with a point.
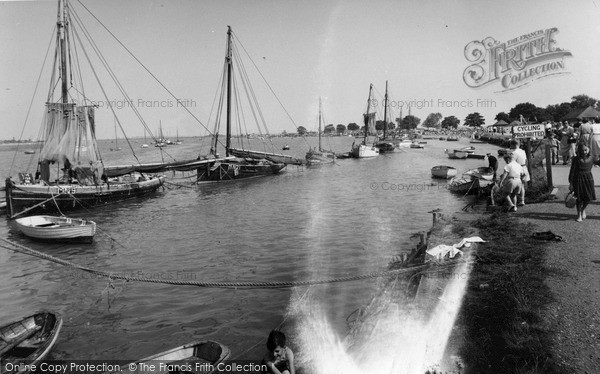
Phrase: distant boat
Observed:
(203, 357)
(416, 145)
(452, 138)
(29, 152)
(177, 140)
(384, 144)
(363, 150)
(456, 154)
(286, 147)
(57, 229)
(319, 157)
(145, 145)
(29, 340)
(443, 172)
(116, 148)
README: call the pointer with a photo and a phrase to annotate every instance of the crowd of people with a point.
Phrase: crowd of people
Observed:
(577, 144)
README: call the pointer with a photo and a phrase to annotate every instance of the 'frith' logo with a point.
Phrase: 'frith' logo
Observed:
(516, 62)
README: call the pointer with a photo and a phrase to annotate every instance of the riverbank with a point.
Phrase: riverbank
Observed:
(533, 305)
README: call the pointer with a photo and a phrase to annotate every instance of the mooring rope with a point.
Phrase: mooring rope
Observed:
(231, 285)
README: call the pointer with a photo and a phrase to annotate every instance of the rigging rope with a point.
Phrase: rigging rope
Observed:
(10, 245)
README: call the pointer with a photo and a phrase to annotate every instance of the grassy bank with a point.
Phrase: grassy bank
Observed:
(503, 331)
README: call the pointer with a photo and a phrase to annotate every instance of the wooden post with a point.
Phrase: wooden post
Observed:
(549, 166)
(528, 155)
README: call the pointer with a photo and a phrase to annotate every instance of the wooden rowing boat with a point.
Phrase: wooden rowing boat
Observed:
(197, 357)
(60, 229)
(28, 341)
(443, 172)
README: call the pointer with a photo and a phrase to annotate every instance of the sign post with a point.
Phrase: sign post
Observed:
(529, 131)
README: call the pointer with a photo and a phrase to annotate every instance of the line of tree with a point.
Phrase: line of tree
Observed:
(529, 111)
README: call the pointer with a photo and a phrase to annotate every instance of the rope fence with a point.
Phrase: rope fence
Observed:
(10, 245)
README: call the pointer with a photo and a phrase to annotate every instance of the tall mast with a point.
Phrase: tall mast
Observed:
(320, 123)
(385, 99)
(63, 50)
(367, 115)
(228, 62)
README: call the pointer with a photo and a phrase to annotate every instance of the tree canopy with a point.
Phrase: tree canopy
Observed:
(450, 122)
(301, 130)
(433, 120)
(353, 126)
(474, 120)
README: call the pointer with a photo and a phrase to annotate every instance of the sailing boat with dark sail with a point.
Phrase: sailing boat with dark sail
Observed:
(384, 144)
(319, 157)
(70, 173)
(363, 150)
(238, 163)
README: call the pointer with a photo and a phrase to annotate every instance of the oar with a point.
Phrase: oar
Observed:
(19, 340)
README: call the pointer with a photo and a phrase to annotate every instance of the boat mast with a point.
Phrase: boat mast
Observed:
(228, 62)
(385, 99)
(63, 50)
(367, 115)
(320, 124)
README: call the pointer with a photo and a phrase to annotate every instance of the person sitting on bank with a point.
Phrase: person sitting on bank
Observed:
(510, 181)
(279, 359)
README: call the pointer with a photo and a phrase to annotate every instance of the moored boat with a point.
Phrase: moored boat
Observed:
(363, 150)
(28, 341)
(59, 229)
(416, 145)
(472, 180)
(201, 357)
(456, 154)
(246, 163)
(317, 157)
(443, 172)
(70, 171)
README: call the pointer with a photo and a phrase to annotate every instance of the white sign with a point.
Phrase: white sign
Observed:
(529, 131)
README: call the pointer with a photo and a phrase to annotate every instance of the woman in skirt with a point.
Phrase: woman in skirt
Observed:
(581, 180)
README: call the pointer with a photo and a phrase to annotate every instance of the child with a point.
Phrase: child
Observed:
(279, 359)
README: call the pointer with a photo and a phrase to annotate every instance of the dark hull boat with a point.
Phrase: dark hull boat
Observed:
(27, 198)
(70, 172)
(238, 163)
(318, 157)
(28, 341)
(237, 168)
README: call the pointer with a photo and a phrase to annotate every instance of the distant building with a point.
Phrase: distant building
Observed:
(581, 114)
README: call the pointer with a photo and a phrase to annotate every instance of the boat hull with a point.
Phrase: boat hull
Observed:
(57, 229)
(237, 169)
(386, 147)
(364, 151)
(273, 157)
(201, 357)
(29, 340)
(443, 172)
(29, 199)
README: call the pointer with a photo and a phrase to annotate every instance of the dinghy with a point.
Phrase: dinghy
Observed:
(196, 357)
(59, 229)
(443, 172)
(28, 341)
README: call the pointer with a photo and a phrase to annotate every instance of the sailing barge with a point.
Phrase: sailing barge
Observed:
(70, 173)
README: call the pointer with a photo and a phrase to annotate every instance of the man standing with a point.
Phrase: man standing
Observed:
(520, 158)
(492, 164)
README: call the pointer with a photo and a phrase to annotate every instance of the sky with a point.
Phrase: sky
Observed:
(303, 49)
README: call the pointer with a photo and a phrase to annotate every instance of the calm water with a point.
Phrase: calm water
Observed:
(337, 220)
